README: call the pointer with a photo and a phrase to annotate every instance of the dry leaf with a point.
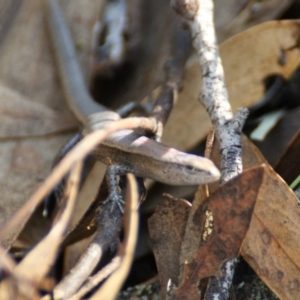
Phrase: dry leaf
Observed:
(26, 57)
(217, 231)
(209, 238)
(248, 58)
(166, 228)
(20, 117)
(272, 244)
(32, 104)
(24, 165)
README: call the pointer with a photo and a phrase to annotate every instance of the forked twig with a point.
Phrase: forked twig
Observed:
(199, 16)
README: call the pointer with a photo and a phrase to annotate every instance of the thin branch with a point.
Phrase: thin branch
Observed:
(108, 218)
(199, 16)
(44, 253)
(81, 150)
(97, 278)
(174, 70)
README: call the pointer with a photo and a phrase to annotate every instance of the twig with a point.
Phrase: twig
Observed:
(174, 69)
(81, 150)
(108, 228)
(41, 258)
(46, 250)
(97, 278)
(199, 16)
(7, 264)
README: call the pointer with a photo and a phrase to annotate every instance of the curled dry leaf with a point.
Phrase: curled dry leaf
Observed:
(248, 58)
(273, 241)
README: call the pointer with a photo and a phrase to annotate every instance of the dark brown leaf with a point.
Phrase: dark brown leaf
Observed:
(223, 221)
(166, 227)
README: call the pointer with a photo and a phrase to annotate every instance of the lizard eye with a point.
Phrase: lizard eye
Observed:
(190, 169)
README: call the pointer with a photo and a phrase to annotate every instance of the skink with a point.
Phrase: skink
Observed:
(124, 151)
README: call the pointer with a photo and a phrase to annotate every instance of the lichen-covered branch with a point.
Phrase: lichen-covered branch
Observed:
(199, 16)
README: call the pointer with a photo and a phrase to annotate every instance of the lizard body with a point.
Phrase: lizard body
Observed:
(137, 154)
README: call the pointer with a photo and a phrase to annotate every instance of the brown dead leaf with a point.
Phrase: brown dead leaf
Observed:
(26, 56)
(20, 117)
(32, 104)
(251, 155)
(273, 242)
(209, 239)
(82, 228)
(166, 228)
(248, 58)
(220, 224)
(24, 165)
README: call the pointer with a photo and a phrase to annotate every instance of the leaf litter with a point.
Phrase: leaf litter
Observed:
(33, 128)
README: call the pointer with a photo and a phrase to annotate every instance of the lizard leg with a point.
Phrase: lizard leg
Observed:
(113, 184)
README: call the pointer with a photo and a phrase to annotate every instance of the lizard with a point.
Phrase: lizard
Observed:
(124, 151)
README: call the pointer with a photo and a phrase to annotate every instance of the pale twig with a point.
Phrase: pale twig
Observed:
(7, 264)
(81, 150)
(97, 278)
(199, 16)
(109, 224)
(44, 253)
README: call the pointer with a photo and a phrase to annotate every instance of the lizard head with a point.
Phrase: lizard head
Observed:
(190, 169)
